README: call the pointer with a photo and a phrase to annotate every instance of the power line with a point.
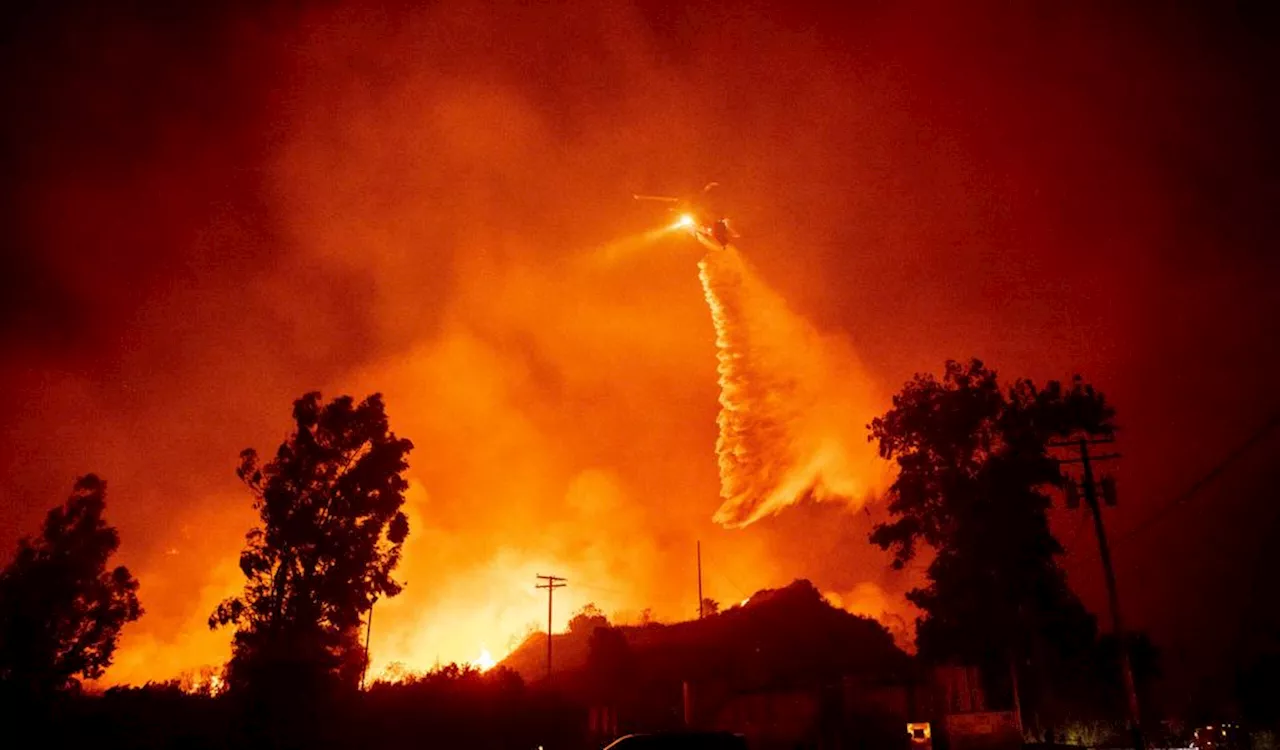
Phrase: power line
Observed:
(1208, 478)
(727, 579)
(1181, 499)
(578, 585)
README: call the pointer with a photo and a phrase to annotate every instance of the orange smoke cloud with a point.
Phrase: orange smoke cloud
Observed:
(433, 228)
(215, 214)
(869, 600)
(793, 403)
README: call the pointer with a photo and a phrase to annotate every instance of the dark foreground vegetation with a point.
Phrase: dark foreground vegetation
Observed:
(451, 707)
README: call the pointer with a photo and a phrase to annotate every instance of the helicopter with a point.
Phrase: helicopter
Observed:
(694, 216)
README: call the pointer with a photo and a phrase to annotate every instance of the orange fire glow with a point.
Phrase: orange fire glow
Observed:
(485, 661)
(434, 201)
(428, 229)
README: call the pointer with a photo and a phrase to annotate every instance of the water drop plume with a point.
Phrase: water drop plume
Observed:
(794, 403)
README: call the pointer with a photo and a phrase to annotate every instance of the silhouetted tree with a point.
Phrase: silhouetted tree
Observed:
(330, 535)
(710, 607)
(587, 619)
(61, 609)
(974, 471)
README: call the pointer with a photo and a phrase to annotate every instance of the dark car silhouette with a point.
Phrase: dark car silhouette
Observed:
(680, 741)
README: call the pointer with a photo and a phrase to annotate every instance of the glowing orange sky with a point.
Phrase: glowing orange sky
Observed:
(217, 215)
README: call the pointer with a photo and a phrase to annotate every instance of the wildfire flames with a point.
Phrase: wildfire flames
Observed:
(203, 681)
(790, 427)
(434, 203)
(485, 661)
(550, 361)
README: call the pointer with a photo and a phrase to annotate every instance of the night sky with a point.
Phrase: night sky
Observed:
(208, 214)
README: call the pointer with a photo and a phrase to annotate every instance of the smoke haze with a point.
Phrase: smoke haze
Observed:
(209, 214)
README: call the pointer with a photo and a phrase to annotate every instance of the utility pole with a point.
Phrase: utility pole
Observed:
(552, 583)
(700, 599)
(368, 633)
(1104, 552)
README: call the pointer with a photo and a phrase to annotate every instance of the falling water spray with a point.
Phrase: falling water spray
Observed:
(793, 403)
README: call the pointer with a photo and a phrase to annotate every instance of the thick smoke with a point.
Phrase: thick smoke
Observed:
(793, 404)
(216, 213)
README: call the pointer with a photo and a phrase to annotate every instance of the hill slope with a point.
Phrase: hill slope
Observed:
(781, 636)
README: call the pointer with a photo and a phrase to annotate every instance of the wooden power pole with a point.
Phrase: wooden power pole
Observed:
(1104, 552)
(552, 583)
(700, 599)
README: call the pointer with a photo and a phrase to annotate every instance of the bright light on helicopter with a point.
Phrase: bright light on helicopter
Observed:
(685, 220)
